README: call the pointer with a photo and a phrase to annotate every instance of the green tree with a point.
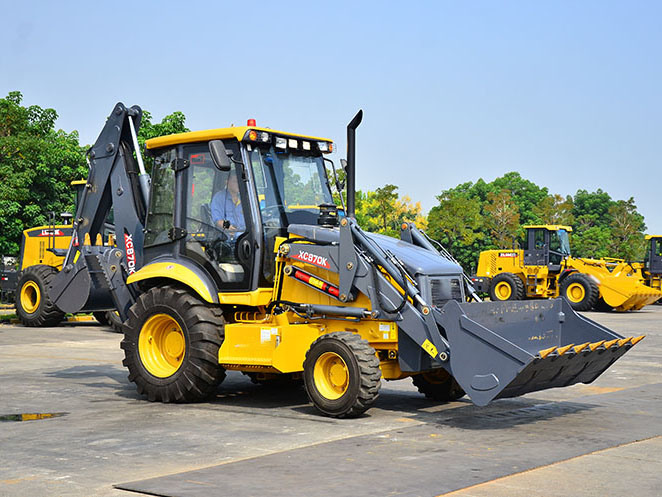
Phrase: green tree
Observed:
(503, 218)
(169, 125)
(554, 209)
(457, 223)
(382, 210)
(525, 194)
(627, 230)
(37, 165)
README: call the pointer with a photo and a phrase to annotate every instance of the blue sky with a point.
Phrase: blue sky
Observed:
(566, 93)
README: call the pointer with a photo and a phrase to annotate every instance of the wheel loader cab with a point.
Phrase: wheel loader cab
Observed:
(547, 245)
(226, 218)
(653, 259)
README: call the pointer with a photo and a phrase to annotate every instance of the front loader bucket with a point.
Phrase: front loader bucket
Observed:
(507, 349)
(627, 293)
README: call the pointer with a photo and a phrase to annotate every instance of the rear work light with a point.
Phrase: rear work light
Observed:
(257, 136)
(325, 146)
(281, 142)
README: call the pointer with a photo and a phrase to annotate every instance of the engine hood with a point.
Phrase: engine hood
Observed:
(417, 260)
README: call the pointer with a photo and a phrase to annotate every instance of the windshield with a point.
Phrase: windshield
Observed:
(290, 187)
(560, 242)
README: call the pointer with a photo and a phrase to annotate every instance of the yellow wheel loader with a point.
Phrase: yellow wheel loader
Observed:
(231, 256)
(42, 252)
(546, 269)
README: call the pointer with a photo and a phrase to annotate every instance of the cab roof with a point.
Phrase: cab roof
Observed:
(237, 132)
(649, 237)
(549, 227)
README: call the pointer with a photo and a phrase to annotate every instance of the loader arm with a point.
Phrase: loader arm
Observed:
(492, 349)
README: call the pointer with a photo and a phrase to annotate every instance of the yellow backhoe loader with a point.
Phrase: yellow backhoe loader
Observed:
(546, 269)
(232, 256)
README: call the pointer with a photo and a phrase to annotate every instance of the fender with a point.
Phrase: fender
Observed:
(565, 273)
(181, 271)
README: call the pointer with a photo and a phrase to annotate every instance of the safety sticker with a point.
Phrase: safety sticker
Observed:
(429, 348)
(265, 334)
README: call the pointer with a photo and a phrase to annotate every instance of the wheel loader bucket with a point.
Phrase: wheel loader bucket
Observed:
(507, 349)
(625, 294)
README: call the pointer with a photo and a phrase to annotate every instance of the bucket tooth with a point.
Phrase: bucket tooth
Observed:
(636, 340)
(595, 345)
(610, 343)
(624, 341)
(563, 350)
(581, 347)
(544, 353)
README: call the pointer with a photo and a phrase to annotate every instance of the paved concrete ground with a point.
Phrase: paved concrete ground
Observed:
(585, 440)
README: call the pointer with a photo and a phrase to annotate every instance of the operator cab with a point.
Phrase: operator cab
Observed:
(547, 245)
(230, 215)
(653, 259)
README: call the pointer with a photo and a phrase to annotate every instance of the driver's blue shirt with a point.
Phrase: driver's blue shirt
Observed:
(224, 208)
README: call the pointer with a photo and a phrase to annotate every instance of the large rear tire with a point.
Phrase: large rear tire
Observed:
(438, 385)
(33, 306)
(580, 291)
(506, 286)
(341, 375)
(171, 343)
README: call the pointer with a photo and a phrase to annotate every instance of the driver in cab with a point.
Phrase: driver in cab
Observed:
(226, 209)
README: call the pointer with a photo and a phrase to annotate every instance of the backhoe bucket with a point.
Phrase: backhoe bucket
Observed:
(507, 349)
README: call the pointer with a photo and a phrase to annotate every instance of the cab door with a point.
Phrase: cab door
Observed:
(536, 253)
(217, 217)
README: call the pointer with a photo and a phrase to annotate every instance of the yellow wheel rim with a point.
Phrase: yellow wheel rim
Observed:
(575, 292)
(161, 345)
(503, 291)
(331, 375)
(30, 297)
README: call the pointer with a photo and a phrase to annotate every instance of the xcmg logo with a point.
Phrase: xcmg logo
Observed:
(130, 253)
(55, 232)
(317, 260)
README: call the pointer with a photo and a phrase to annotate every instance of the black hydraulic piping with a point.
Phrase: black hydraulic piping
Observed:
(351, 164)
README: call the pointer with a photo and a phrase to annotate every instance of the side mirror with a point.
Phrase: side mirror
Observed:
(220, 155)
(343, 163)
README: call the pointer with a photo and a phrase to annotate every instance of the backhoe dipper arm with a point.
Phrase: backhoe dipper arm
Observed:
(92, 274)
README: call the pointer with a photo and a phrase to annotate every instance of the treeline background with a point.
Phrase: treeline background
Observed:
(38, 162)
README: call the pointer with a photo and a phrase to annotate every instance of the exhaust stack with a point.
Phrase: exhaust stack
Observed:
(351, 165)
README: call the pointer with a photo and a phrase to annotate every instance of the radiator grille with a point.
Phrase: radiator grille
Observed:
(445, 289)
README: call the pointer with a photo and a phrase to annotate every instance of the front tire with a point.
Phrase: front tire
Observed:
(580, 291)
(341, 375)
(171, 342)
(438, 385)
(33, 305)
(506, 286)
